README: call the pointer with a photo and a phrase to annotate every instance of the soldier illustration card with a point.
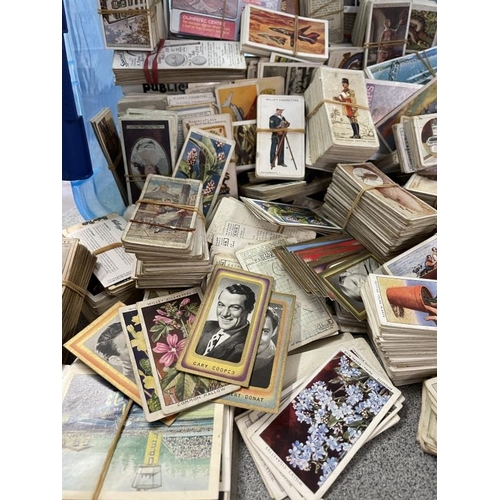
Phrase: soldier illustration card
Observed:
(280, 137)
(224, 339)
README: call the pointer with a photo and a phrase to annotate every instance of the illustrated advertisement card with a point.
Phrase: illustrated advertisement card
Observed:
(206, 19)
(224, 340)
(419, 261)
(411, 302)
(280, 137)
(102, 346)
(205, 157)
(266, 382)
(166, 322)
(285, 439)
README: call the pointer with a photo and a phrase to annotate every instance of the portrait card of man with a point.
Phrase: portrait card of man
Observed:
(102, 346)
(347, 279)
(224, 339)
(266, 382)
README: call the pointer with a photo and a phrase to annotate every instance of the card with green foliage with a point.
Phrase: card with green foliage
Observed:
(205, 156)
(165, 323)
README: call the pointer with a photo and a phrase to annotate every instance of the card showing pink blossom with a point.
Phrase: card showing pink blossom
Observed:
(166, 322)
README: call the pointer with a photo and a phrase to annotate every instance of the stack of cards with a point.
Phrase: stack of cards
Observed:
(149, 146)
(132, 28)
(286, 191)
(112, 275)
(205, 157)
(77, 267)
(280, 137)
(419, 261)
(264, 31)
(332, 12)
(288, 215)
(402, 318)
(324, 418)
(339, 123)
(180, 60)
(427, 425)
(233, 218)
(424, 186)
(225, 336)
(166, 226)
(379, 213)
(217, 20)
(381, 27)
(308, 260)
(156, 331)
(107, 136)
(108, 450)
(421, 135)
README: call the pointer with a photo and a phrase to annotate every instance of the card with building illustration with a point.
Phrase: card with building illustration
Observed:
(165, 323)
(266, 382)
(224, 339)
(129, 27)
(280, 137)
(205, 157)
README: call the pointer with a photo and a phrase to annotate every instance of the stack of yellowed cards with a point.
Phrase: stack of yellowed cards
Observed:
(402, 319)
(427, 425)
(383, 216)
(339, 122)
(111, 280)
(336, 398)
(77, 267)
(167, 227)
(180, 60)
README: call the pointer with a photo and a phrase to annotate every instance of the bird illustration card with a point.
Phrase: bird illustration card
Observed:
(224, 338)
(280, 137)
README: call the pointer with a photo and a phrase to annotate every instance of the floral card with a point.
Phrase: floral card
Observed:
(324, 423)
(205, 157)
(166, 322)
(141, 366)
